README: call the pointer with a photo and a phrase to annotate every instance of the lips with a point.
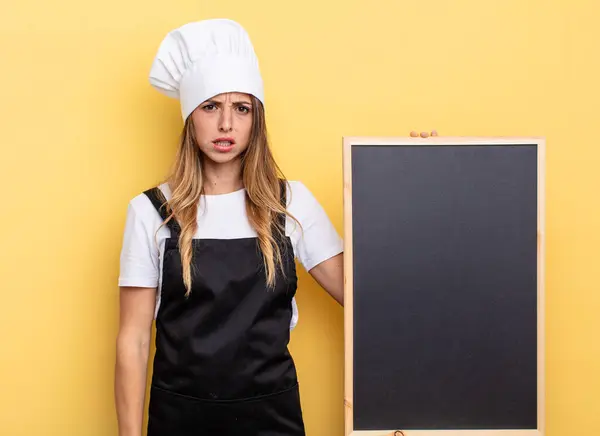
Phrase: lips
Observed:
(224, 144)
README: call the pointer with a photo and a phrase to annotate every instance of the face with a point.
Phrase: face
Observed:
(222, 126)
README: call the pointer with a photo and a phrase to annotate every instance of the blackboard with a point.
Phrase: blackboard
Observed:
(444, 286)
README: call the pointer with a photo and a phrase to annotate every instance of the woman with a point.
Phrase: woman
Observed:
(210, 254)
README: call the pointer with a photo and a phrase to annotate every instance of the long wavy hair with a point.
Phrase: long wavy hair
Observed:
(262, 179)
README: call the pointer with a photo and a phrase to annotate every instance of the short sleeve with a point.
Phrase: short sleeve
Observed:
(318, 239)
(139, 264)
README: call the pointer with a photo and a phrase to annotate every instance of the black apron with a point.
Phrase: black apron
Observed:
(222, 365)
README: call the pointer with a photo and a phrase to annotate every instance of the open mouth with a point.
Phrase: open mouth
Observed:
(224, 144)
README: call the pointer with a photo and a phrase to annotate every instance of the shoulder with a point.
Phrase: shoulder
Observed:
(304, 206)
(316, 239)
(299, 197)
(141, 200)
(142, 208)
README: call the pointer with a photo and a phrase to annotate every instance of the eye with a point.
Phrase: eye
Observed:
(243, 109)
(208, 107)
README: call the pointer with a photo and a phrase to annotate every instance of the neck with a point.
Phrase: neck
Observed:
(222, 178)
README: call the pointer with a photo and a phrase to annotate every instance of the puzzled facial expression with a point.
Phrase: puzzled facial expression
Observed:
(222, 126)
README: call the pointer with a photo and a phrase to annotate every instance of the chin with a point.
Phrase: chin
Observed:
(222, 158)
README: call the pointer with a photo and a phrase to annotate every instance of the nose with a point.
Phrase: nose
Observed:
(225, 123)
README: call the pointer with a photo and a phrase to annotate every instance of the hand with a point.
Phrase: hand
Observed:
(423, 134)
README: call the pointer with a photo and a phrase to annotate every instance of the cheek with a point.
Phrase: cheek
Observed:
(201, 127)
(245, 128)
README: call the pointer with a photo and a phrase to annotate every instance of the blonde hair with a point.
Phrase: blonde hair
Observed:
(262, 180)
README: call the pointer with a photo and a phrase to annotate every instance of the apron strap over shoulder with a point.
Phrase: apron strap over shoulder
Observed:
(159, 202)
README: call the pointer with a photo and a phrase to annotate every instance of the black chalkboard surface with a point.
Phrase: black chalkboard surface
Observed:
(444, 286)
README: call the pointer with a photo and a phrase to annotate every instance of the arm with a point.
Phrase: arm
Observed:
(133, 347)
(330, 275)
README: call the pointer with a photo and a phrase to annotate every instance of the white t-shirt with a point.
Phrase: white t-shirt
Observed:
(222, 217)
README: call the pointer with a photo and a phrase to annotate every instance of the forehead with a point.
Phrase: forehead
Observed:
(231, 97)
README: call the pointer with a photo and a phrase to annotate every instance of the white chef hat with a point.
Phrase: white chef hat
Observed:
(202, 59)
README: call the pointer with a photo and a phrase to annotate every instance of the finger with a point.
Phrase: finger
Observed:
(424, 134)
(434, 133)
(414, 134)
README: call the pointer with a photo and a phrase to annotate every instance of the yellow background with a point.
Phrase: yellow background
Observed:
(82, 132)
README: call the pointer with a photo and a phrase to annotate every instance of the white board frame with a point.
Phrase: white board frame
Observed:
(348, 142)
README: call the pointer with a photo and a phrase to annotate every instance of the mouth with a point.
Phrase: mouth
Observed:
(224, 144)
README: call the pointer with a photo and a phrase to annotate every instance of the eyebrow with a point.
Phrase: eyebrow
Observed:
(235, 102)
